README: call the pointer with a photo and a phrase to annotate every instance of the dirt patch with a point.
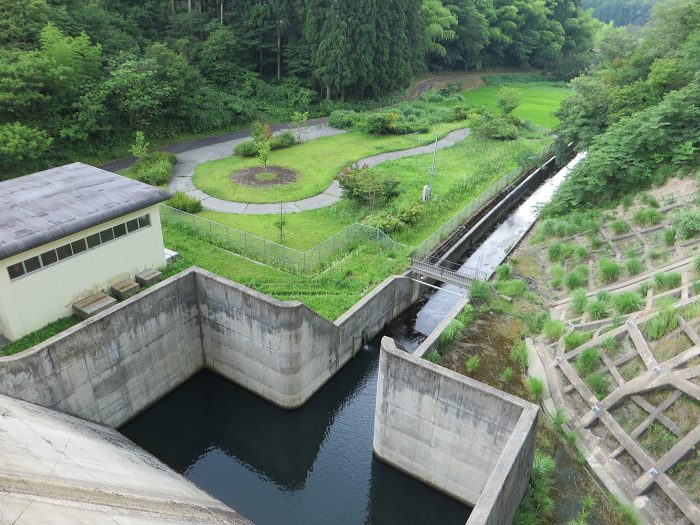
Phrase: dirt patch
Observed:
(258, 177)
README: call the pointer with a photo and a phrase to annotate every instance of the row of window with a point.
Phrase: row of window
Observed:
(69, 250)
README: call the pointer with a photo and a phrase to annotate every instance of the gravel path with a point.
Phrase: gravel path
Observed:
(187, 162)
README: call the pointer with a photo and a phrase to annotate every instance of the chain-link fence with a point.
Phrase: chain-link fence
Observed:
(458, 219)
(272, 252)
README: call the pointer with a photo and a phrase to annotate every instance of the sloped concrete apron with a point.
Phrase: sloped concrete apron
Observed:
(188, 161)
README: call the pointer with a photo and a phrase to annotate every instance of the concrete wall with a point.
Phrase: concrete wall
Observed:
(112, 366)
(36, 299)
(453, 433)
(62, 470)
(109, 368)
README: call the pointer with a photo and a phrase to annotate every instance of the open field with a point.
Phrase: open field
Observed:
(538, 101)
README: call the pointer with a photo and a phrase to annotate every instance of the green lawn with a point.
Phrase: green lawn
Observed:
(463, 172)
(317, 162)
(538, 101)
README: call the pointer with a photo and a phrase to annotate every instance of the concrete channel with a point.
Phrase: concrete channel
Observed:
(124, 363)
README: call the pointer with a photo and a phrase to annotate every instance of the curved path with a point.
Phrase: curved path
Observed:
(188, 161)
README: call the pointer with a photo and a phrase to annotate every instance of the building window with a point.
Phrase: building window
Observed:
(48, 258)
(16, 270)
(93, 241)
(31, 265)
(107, 235)
(64, 252)
(78, 246)
(68, 250)
(119, 230)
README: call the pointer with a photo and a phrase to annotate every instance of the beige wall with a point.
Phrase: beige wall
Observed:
(34, 300)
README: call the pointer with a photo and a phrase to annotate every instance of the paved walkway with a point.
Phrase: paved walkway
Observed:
(188, 161)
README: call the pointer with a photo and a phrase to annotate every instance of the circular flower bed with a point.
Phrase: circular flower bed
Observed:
(257, 176)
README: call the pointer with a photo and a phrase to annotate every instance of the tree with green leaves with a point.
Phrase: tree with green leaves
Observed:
(508, 99)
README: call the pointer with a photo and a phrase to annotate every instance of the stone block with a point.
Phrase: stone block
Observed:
(93, 305)
(148, 277)
(125, 289)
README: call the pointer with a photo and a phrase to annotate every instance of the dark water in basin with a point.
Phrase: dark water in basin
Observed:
(309, 466)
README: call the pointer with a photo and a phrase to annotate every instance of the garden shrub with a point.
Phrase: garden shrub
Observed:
(553, 329)
(687, 222)
(246, 149)
(184, 202)
(343, 119)
(396, 220)
(609, 270)
(362, 184)
(512, 288)
(280, 141)
(628, 302)
(381, 123)
(156, 168)
(496, 128)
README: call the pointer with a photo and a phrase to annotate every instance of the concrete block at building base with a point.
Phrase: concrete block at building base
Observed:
(171, 256)
(93, 305)
(148, 277)
(125, 289)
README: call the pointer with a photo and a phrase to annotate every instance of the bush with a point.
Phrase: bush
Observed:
(184, 202)
(553, 329)
(381, 123)
(579, 300)
(155, 169)
(506, 375)
(667, 281)
(396, 220)
(598, 310)
(343, 119)
(575, 339)
(283, 140)
(557, 276)
(687, 222)
(246, 149)
(627, 302)
(362, 184)
(599, 383)
(609, 270)
(479, 292)
(460, 113)
(588, 361)
(633, 266)
(496, 128)
(670, 236)
(512, 288)
(619, 227)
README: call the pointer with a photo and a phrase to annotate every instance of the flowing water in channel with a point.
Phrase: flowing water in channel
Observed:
(313, 465)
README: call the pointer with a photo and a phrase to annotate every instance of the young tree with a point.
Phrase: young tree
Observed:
(508, 99)
(139, 148)
(263, 146)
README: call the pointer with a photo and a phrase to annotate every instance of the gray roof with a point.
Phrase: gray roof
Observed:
(46, 206)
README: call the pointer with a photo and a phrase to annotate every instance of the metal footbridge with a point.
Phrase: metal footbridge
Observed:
(446, 272)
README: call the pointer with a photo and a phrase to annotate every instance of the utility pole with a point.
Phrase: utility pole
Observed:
(428, 191)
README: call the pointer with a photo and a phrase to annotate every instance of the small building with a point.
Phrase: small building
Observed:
(67, 233)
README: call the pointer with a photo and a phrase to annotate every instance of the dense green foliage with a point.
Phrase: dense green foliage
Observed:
(621, 12)
(79, 77)
(638, 112)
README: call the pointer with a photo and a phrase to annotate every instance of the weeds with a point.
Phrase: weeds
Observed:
(479, 292)
(518, 354)
(536, 387)
(560, 251)
(433, 357)
(575, 339)
(507, 375)
(667, 281)
(557, 276)
(598, 310)
(649, 200)
(472, 364)
(579, 300)
(647, 217)
(670, 236)
(662, 323)
(588, 361)
(537, 506)
(627, 302)
(608, 270)
(577, 278)
(452, 333)
(599, 384)
(633, 266)
(619, 227)
(553, 329)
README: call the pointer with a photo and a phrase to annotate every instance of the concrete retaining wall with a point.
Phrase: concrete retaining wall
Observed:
(109, 368)
(58, 469)
(454, 433)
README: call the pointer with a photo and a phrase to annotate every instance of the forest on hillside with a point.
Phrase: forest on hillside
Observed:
(79, 77)
(621, 12)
